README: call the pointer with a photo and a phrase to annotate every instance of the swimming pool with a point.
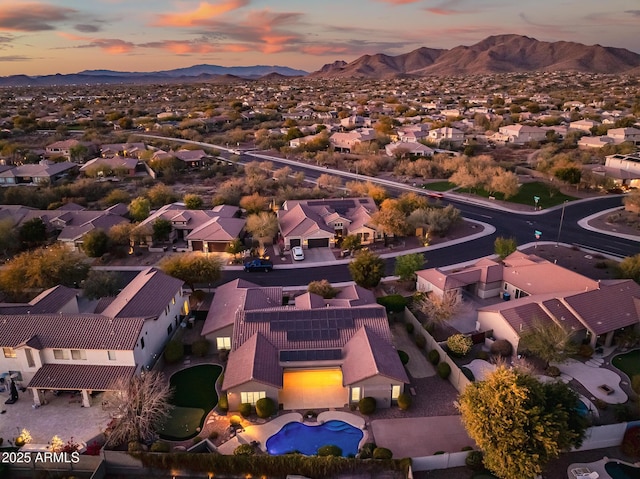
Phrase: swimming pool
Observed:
(296, 436)
(620, 470)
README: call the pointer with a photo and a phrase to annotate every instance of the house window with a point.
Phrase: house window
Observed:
(223, 343)
(9, 352)
(111, 355)
(78, 354)
(252, 397)
(141, 343)
(61, 354)
(169, 330)
(173, 300)
(395, 392)
(355, 394)
(30, 362)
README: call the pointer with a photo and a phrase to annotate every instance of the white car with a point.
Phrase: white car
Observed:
(297, 253)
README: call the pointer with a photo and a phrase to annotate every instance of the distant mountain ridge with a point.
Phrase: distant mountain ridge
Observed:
(195, 73)
(495, 54)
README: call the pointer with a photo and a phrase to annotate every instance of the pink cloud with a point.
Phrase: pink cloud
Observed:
(112, 46)
(202, 15)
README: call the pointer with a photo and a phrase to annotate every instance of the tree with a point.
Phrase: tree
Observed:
(263, 226)
(41, 269)
(8, 237)
(549, 341)
(116, 196)
(100, 284)
(503, 247)
(392, 221)
(32, 233)
(192, 268)
(254, 203)
(161, 229)
(351, 242)
(505, 182)
(141, 403)
(367, 269)
(95, 243)
(329, 181)
(121, 233)
(629, 268)
(440, 309)
(520, 423)
(139, 208)
(235, 247)
(322, 288)
(407, 265)
(161, 195)
(192, 201)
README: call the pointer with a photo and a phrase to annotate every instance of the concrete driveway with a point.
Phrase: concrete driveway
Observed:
(421, 436)
(316, 255)
(418, 366)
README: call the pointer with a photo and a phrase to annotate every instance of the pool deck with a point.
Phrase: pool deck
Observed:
(262, 432)
(574, 470)
(591, 375)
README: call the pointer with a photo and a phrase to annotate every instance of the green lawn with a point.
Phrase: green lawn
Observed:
(439, 186)
(525, 196)
(194, 395)
(629, 363)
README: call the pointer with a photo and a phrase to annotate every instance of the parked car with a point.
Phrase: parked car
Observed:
(258, 265)
(297, 253)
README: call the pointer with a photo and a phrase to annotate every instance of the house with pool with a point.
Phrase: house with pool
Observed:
(311, 353)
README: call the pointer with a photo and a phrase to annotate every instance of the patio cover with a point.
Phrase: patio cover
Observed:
(79, 377)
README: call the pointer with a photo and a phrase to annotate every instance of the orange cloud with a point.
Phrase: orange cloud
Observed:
(201, 15)
(186, 47)
(112, 46)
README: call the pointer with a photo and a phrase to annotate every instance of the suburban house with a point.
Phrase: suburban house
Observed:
(594, 141)
(623, 169)
(110, 166)
(41, 173)
(584, 125)
(192, 158)
(534, 289)
(347, 141)
(453, 136)
(620, 135)
(315, 353)
(320, 223)
(201, 230)
(128, 150)
(407, 148)
(519, 134)
(49, 344)
(61, 149)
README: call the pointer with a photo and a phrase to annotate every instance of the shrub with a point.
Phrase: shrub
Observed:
(429, 327)
(409, 327)
(329, 450)
(244, 450)
(433, 356)
(421, 341)
(600, 404)
(245, 409)
(553, 371)
(466, 448)
(367, 406)
(585, 351)
(443, 370)
(404, 357)
(134, 446)
(482, 355)
(459, 344)
(393, 303)
(322, 288)
(213, 435)
(366, 451)
(235, 421)
(265, 407)
(475, 460)
(502, 347)
(404, 401)
(174, 351)
(223, 402)
(438, 453)
(623, 413)
(631, 442)
(382, 453)
(200, 347)
(160, 446)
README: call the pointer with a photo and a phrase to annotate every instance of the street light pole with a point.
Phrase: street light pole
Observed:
(561, 220)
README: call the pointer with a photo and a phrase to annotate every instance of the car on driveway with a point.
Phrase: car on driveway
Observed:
(297, 253)
(258, 265)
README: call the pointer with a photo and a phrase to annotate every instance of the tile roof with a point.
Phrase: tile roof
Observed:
(302, 220)
(70, 331)
(75, 377)
(255, 360)
(146, 296)
(49, 301)
(218, 229)
(366, 355)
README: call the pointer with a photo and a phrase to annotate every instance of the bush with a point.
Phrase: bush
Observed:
(404, 357)
(502, 347)
(433, 356)
(404, 401)
(482, 355)
(367, 406)
(245, 409)
(265, 407)
(235, 421)
(213, 435)
(623, 413)
(410, 328)
(366, 451)
(160, 446)
(19, 441)
(585, 351)
(244, 450)
(421, 341)
(429, 327)
(223, 402)
(174, 351)
(134, 446)
(200, 348)
(443, 370)
(475, 460)
(322, 288)
(631, 442)
(382, 453)
(393, 303)
(459, 344)
(553, 371)
(329, 450)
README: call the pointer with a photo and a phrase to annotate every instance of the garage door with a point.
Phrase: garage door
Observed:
(216, 247)
(197, 245)
(319, 243)
(313, 388)
(294, 242)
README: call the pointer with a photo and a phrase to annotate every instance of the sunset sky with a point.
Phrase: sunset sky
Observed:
(67, 36)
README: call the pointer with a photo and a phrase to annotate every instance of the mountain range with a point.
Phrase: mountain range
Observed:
(495, 54)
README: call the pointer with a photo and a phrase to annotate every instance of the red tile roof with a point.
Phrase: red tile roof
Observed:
(256, 360)
(76, 377)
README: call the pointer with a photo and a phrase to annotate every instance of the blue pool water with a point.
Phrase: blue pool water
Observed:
(582, 408)
(296, 436)
(618, 470)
